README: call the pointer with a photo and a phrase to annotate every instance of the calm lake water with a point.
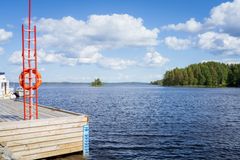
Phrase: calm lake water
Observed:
(144, 122)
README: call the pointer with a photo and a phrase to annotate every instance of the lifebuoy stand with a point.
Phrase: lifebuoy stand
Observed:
(30, 79)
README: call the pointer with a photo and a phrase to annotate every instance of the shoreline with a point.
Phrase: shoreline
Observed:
(194, 86)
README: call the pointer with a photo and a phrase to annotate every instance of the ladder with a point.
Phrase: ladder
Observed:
(29, 62)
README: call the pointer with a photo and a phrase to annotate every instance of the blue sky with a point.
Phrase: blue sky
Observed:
(120, 41)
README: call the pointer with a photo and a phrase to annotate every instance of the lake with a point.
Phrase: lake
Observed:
(144, 122)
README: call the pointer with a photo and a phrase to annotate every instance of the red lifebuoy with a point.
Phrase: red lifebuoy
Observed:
(38, 79)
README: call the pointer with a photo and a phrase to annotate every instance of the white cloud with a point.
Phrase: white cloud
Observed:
(155, 76)
(1, 50)
(210, 60)
(71, 41)
(189, 26)
(115, 63)
(115, 30)
(231, 61)
(218, 33)
(226, 61)
(177, 43)
(123, 77)
(225, 17)
(43, 57)
(100, 32)
(16, 57)
(42, 69)
(219, 42)
(46, 58)
(4, 35)
(154, 58)
(222, 18)
(89, 55)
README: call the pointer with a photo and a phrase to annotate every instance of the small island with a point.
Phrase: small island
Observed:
(97, 83)
(207, 74)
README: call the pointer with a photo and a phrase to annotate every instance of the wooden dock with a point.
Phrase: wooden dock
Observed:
(55, 133)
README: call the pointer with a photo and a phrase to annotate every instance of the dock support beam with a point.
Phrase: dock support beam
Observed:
(86, 140)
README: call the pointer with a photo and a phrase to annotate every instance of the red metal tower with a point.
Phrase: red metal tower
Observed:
(30, 78)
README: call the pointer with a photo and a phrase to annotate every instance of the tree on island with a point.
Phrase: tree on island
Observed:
(97, 83)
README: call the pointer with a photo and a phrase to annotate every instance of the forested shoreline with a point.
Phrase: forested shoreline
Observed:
(209, 74)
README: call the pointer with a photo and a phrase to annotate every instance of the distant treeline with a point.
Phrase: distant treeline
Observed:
(211, 74)
(157, 82)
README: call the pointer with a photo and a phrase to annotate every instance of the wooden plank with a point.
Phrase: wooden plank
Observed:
(60, 110)
(17, 155)
(38, 122)
(15, 108)
(41, 139)
(44, 144)
(57, 132)
(10, 138)
(15, 111)
(41, 129)
(41, 122)
(5, 116)
(44, 109)
(52, 153)
(53, 111)
(6, 110)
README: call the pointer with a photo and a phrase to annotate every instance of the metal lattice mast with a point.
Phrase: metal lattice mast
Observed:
(30, 78)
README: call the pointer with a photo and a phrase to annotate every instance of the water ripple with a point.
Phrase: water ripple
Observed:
(146, 122)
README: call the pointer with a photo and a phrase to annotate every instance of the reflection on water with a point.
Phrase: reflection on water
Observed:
(149, 122)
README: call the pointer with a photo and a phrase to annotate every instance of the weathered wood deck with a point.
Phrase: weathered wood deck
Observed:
(13, 111)
(56, 132)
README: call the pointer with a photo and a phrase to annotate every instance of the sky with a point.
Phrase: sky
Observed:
(120, 41)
